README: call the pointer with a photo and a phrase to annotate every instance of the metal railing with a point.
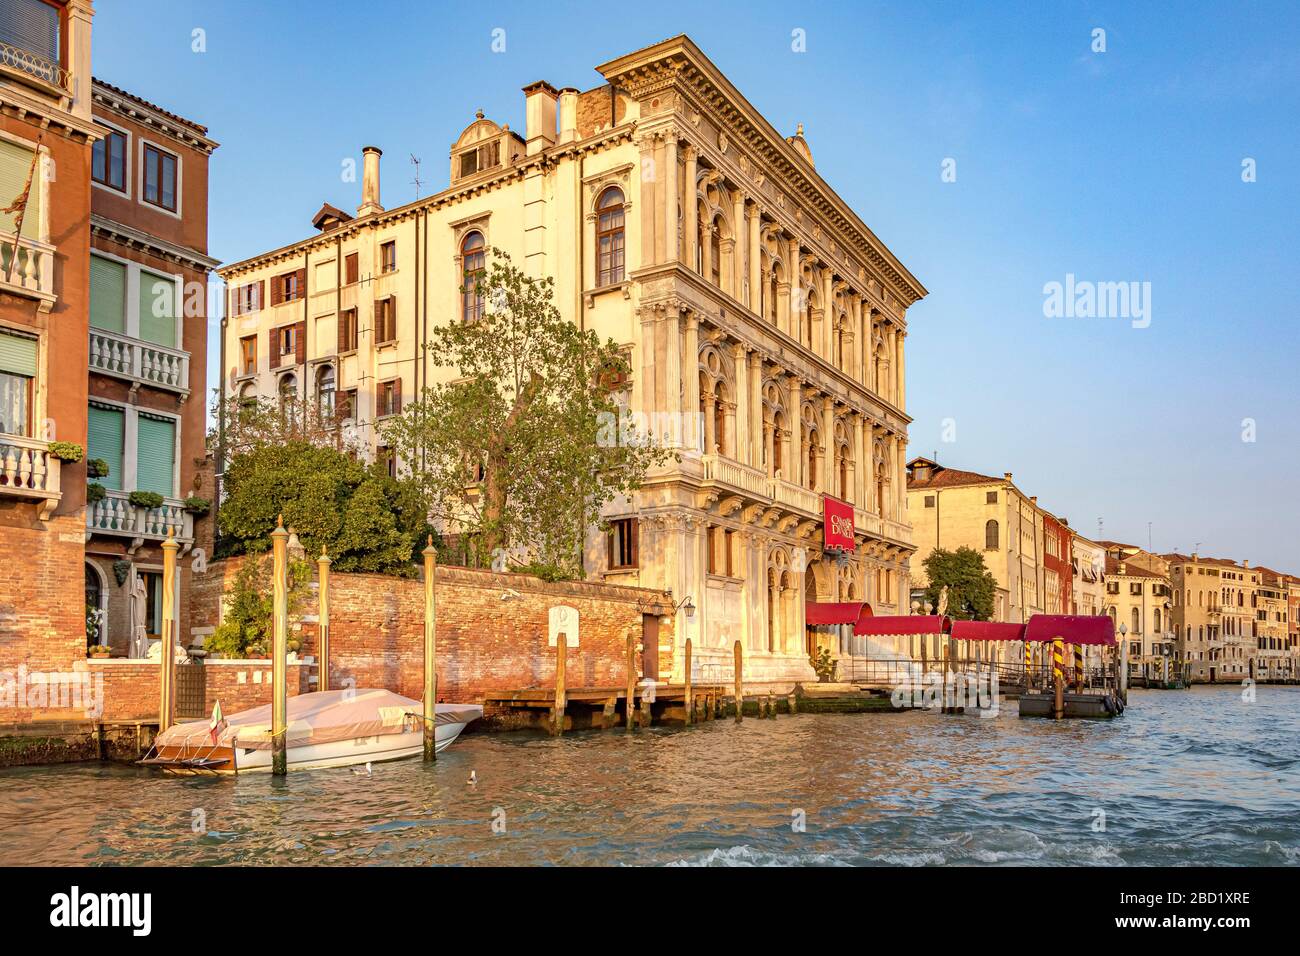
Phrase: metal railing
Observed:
(139, 361)
(34, 65)
(114, 514)
(1011, 675)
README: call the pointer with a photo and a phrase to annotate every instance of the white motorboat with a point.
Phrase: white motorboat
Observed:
(333, 728)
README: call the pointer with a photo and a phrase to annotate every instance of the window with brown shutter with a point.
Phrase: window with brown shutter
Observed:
(388, 257)
(347, 331)
(350, 268)
(289, 287)
(389, 399)
(287, 340)
(248, 298)
(621, 543)
(300, 343)
(385, 320)
(248, 355)
(347, 404)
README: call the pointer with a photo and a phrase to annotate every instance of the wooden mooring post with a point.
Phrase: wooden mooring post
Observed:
(430, 710)
(167, 662)
(323, 627)
(690, 701)
(561, 659)
(279, 648)
(630, 700)
(740, 683)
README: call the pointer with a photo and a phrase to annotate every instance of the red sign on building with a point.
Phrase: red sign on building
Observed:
(837, 524)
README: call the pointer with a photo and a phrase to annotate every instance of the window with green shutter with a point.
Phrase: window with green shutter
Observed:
(15, 167)
(155, 460)
(18, 356)
(157, 308)
(105, 432)
(107, 294)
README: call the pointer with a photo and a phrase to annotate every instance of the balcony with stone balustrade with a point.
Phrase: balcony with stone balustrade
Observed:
(27, 269)
(114, 514)
(140, 362)
(28, 471)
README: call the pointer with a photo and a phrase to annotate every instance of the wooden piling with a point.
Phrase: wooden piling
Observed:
(630, 701)
(279, 648)
(323, 603)
(167, 663)
(740, 684)
(690, 703)
(430, 711)
(1058, 678)
(561, 657)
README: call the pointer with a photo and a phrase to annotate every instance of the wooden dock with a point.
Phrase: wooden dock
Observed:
(1075, 705)
(596, 708)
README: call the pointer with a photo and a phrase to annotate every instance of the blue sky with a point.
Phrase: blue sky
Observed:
(1122, 166)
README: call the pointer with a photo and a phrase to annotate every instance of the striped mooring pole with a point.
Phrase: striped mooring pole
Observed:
(1078, 667)
(1058, 677)
(1029, 663)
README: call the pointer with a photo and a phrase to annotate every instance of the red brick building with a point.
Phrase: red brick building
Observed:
(46, 137)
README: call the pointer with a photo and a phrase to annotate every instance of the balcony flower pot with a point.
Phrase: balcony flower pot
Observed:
(95, 492)
(197, 506)
(145, 499)
(101, 650)
(68, 451)
(96, 468)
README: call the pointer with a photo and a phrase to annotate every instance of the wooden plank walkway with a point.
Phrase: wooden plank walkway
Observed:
(581, 708)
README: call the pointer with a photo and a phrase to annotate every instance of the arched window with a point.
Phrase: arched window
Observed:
(991, 535)
(95, 606)
(771, 297)
(1156, 621)
(715, 252)
(1112, 613)
(473, 261)
(609, 237)
(844, 472)
(325, 388)
(812, 461)
(778, 443)
(288, 391)
(1136, 627)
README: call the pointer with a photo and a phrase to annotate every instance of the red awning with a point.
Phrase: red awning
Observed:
(904, 624)
(987, 631)
(1071, 628)
(844, 612)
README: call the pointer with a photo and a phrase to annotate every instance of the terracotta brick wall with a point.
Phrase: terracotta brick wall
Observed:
(130, 690)
(485, 643)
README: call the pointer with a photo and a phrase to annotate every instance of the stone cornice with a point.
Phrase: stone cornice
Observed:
(678, 65)
(109, 100)
(130, 236)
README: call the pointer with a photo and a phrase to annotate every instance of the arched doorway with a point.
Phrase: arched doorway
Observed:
(96, 604)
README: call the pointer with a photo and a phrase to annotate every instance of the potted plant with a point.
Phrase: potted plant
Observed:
(197, 506)
(145, 499)
(101, 651)
(68, 451)
(95, 492)
(824, 666)
(96, 468)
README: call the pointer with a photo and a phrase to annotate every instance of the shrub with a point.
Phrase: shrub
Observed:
(95, 492)
(247, 623)
(197, 506)
(145, 499)
(96, 468)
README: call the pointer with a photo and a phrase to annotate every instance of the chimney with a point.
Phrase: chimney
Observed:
(568, 114)
(370, 181)
(539, 107)
(1006, 476)
(1121, 567)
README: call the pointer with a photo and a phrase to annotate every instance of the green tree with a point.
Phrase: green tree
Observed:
(518, 451)
(971, 586)
(247, 620)
(367, 520)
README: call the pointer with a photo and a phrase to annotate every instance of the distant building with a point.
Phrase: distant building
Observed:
(1214, 615)
(1140, 601)
(1271, 626)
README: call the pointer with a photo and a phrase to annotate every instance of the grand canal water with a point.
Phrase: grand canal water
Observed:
(1199, 776)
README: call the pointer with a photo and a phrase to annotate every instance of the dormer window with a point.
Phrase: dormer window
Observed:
(485, 156)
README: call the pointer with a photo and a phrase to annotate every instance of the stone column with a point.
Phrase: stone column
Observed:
(869, 348)
(690, 217)
(859, 465)
(852, 357)
(891, 392)
(755, 407)
(706, 252)
(794, 458)
(691, 380)
(795, 298)
(740, 252)
(902, 372)
(647, 372)
(827, 345)
(742, 439)
(900, 478)
(710, 409)
(827, 484)
(671, 251)
(755, 260)
(672, 401)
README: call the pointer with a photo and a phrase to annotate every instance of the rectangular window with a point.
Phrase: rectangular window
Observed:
(389, 399)
(19, 174)
(157, 308)
(17, 382)
(287, 337)
(108, 160)
(388, 257)
(155, 459)
(159, 178)
(347, 408)
(32, 26)
(621, 543)
(248, 355)
(385, 320)
(106, 439)
(248, 298)
(929, 501)
(350, 268)
(288, 287)
(107, 294)
(990, 497)
(153, 590)
(385, 455)
(347, 331)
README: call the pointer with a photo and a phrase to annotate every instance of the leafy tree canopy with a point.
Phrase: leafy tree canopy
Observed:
(971, 586)
(516, 452)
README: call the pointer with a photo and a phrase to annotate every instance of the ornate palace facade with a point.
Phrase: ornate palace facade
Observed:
(762, 319)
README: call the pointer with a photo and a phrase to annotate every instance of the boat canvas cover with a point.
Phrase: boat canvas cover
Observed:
(318, 718)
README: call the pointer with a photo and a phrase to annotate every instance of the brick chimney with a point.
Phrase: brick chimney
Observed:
(370, 181)
(539, 110)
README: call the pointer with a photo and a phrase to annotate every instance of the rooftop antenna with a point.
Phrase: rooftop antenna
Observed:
(1099, 525)
(416, 182)
(1148, 535)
